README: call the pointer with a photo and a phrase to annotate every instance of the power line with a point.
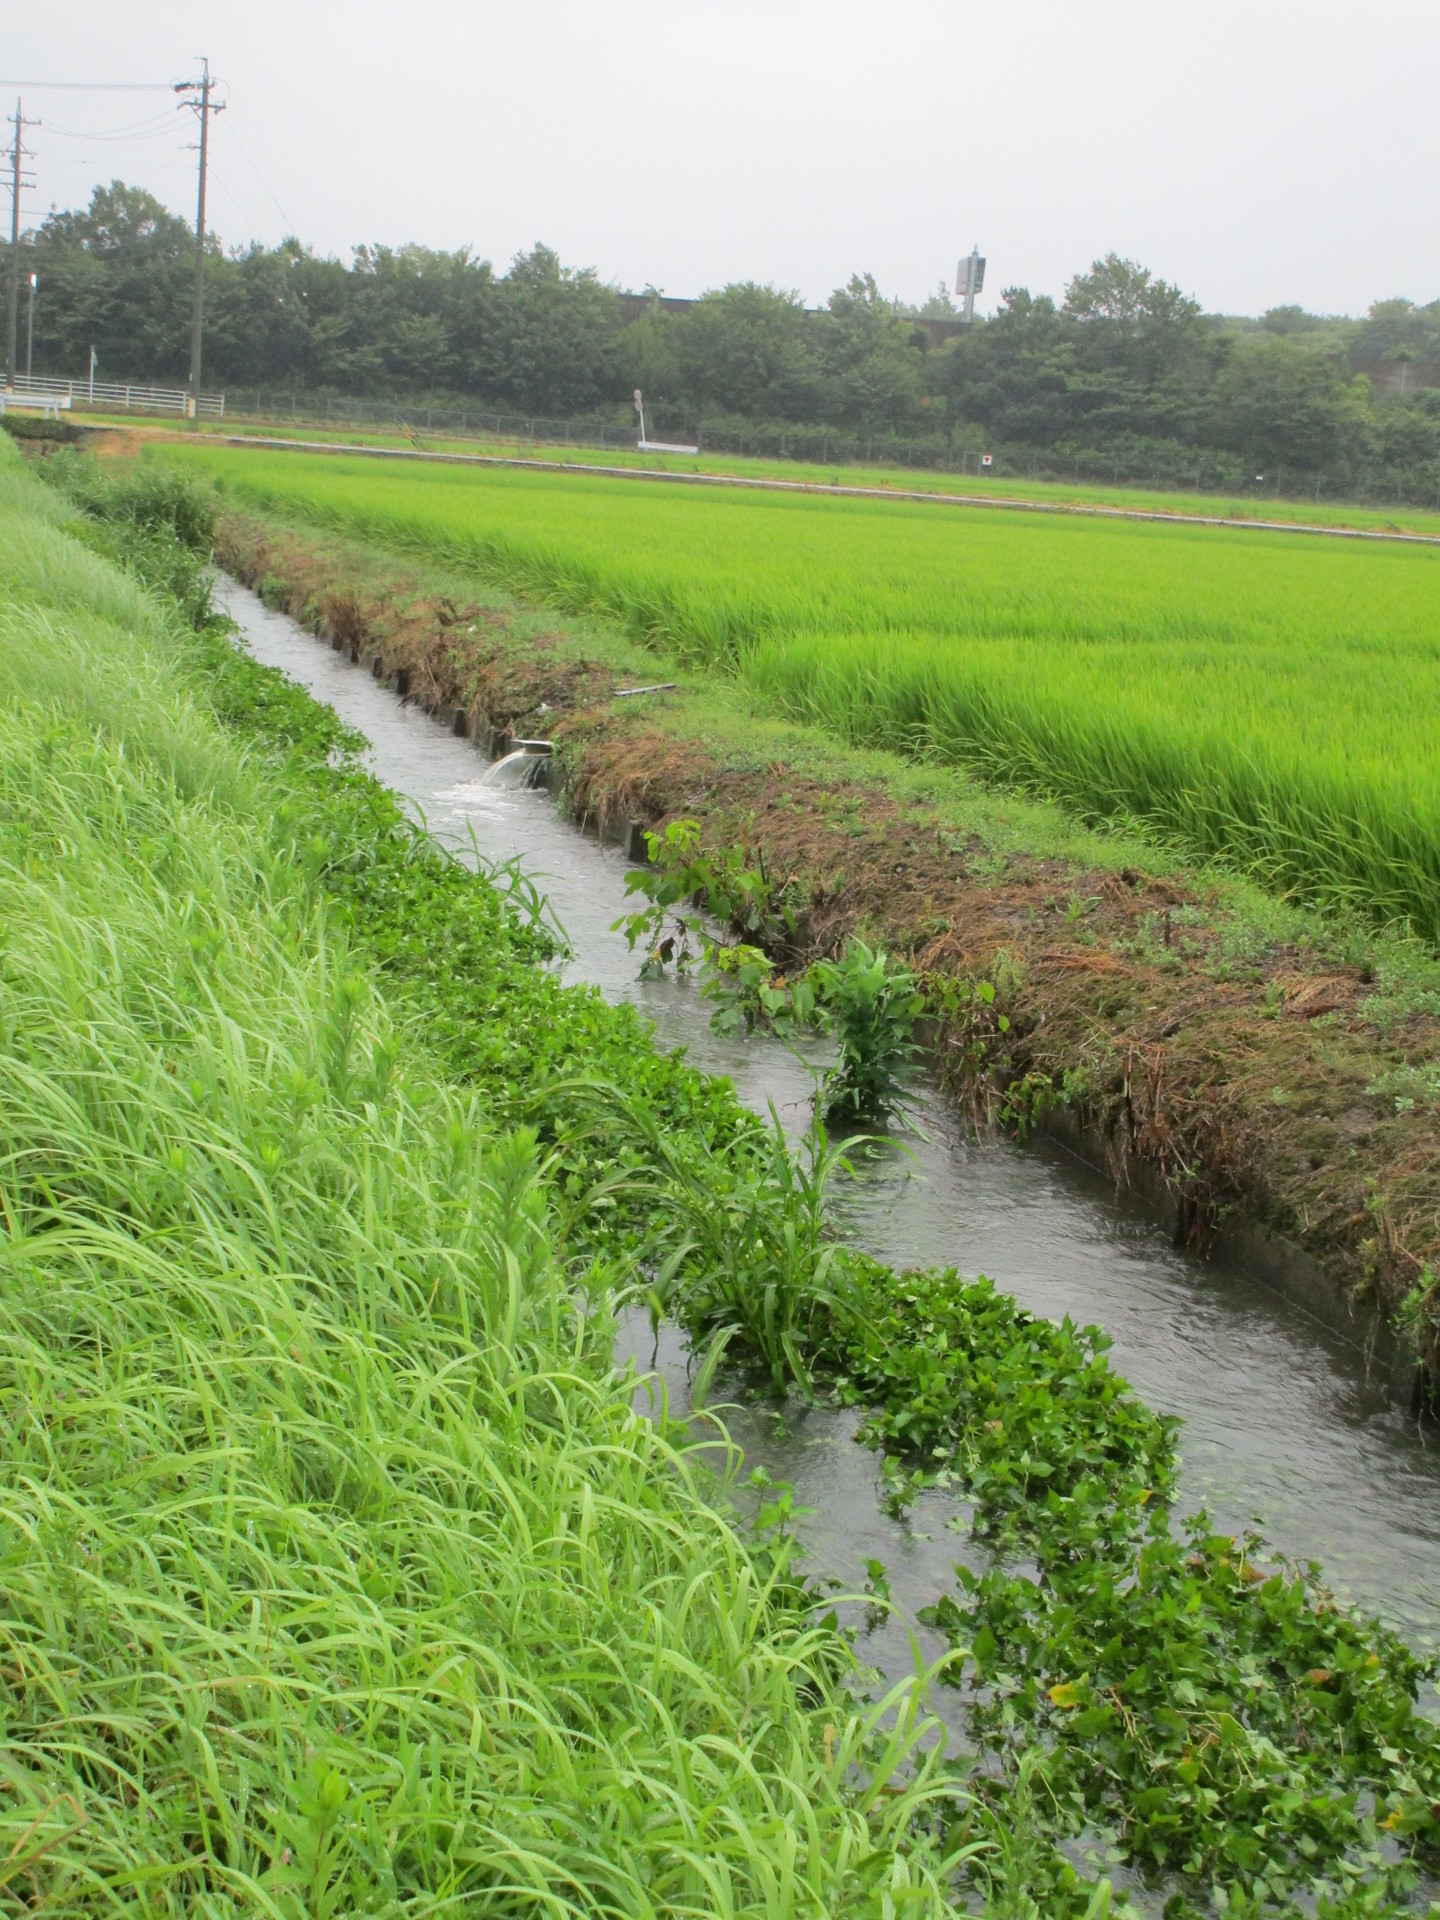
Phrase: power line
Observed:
(234, 198)
(133, 130)
(90, 86)
(234, 134)
(164, 138)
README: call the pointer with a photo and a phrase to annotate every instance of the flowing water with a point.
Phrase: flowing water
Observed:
(1282, 1422)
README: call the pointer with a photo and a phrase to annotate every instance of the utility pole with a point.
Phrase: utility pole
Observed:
(16, 182)
(204, 106)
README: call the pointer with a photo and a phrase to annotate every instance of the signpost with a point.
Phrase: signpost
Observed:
(970, 280)
(645, 445)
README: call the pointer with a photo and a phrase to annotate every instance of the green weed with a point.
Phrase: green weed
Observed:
(871, 1006)
(867, 1002)
(684, 879)
(337, 1573)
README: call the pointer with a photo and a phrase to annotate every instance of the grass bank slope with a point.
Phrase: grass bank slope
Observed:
(1253, 696)
(338, 1575)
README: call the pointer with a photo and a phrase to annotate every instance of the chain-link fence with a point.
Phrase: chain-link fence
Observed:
(1146, 465)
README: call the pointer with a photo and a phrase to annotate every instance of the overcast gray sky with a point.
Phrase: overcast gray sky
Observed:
(1256, 152)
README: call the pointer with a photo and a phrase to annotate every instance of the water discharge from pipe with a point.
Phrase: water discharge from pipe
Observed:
(525, 767)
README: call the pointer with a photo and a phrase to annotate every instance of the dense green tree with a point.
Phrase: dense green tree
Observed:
(1015, 376)
(1128, 297)
(1399, 330)
(1140, 352)
(744, 349)
(1289, 321)
(939, 306)
(1126, 375)
(117, 276)
(1409, 435)
(873, 358)
(555, 345)
(261, 310)
(1278, 404)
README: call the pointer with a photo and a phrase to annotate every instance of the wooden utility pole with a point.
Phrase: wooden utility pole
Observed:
(200, 103)
(16, 182)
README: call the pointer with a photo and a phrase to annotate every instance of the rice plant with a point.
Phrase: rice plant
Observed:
(1261, 698)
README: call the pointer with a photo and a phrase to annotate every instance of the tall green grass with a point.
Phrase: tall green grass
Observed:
(337, 1574)
(1264, 699)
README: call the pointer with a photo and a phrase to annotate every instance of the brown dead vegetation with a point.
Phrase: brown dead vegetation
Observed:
(1246, 1088)
(449, 657)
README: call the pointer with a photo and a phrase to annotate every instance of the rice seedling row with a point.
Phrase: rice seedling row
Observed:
(1257, 698)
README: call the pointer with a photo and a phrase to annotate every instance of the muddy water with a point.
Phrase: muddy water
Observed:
(1281, 1423)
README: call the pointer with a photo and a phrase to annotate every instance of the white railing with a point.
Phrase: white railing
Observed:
(116, 394)
(51, 405)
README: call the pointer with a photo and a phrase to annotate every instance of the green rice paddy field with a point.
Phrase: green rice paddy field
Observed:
(1256, 505)
(1262, 698)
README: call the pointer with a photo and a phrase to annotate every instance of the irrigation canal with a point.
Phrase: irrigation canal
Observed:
(1282, 1425)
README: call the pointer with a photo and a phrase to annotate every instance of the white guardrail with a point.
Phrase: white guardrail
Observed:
(112, 393)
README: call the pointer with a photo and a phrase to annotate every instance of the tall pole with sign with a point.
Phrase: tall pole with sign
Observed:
(970, 280)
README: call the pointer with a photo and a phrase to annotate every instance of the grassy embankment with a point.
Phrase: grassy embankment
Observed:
(1262, 1058)
(338, 1575)
(341, 1572)
(1216, 1723)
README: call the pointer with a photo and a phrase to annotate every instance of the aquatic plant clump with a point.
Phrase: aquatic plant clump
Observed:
(869, 1003)
(1260, 698)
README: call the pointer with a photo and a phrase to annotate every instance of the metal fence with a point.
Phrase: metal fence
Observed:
(412, 417)
(1173, 468)
(108, 394)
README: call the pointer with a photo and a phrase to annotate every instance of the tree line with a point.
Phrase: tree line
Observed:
(1126, 376)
